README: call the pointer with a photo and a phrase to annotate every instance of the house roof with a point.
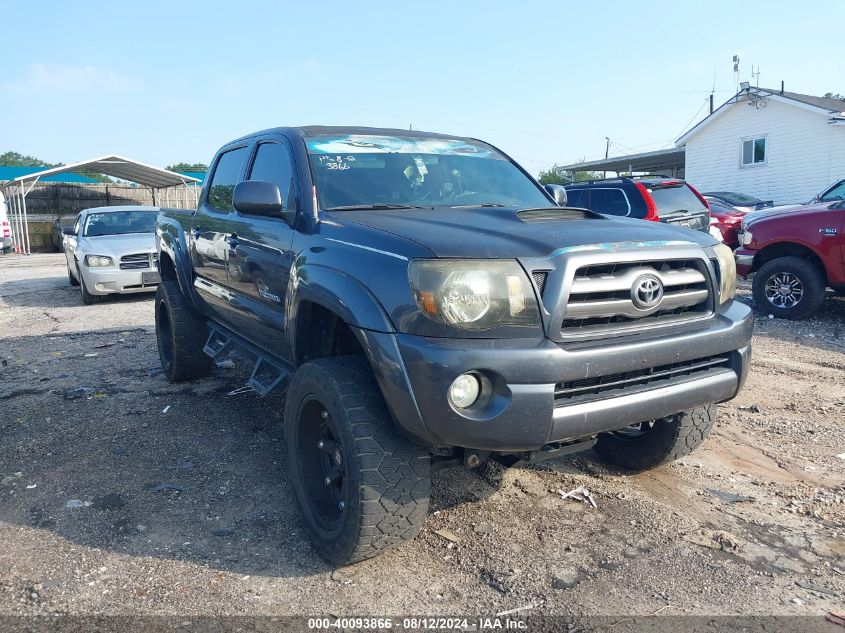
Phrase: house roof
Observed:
(119, 167)
(8, 172)
(832, 108)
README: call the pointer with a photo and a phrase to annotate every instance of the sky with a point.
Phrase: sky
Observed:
(547, 82)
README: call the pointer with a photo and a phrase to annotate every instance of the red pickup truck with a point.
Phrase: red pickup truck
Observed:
(795, 255)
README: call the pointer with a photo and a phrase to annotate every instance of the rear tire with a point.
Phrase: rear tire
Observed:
(361, 486)
(180, 334)
(657, 442)
(802, 283)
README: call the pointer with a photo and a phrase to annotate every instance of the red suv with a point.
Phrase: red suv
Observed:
(795, 255)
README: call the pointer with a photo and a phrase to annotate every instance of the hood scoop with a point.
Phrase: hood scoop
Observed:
(552, 214)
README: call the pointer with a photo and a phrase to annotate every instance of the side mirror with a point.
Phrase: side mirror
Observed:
(259, 197)
(68, 231)
(558, 192)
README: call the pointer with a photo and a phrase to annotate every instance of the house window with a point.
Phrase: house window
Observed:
(753, 151)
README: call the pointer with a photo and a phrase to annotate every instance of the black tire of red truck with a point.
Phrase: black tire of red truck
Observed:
(789, 288)
(650, 444)
(361, 486)
(180, 334)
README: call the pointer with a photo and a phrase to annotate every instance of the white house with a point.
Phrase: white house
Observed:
(776, 145)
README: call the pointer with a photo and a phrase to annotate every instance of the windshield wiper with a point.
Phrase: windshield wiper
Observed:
(372, 207)
(484, 204)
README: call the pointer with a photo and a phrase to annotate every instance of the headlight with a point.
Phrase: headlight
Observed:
(98, 261)
(727, 272)
(747, 237)
(474, 294)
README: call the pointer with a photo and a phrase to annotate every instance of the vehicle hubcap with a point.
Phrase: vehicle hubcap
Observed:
(322, 465)
(784, 290)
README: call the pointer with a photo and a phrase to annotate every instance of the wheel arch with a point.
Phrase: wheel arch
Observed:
(789, 249)
(323, 297)
(174, 261)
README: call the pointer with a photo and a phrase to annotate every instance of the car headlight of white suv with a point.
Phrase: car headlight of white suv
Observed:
(98, 261)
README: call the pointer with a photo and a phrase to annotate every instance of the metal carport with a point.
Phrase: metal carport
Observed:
(670, 162)
(153, 178)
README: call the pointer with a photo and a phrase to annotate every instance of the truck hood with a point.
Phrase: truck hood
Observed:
(498, 232)
(791, 210)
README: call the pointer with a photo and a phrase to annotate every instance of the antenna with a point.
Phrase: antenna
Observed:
(736, 73)
(755, 74)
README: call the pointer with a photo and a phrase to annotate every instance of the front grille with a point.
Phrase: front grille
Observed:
(540, 277)
(551, 215)
(601, 296)
(138, 261)
(613, 385)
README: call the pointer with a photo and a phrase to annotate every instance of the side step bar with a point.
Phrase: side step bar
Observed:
(267, 374)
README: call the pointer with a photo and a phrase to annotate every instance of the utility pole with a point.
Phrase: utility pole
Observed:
(606, 154)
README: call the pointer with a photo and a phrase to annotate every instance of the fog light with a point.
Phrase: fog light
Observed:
(464, 390)
(100, 287)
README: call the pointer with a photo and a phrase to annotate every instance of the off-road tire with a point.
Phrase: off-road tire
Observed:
(388, 478)
(180, 335)
(73, 281)
(87, 298)
(811, 278)
(664, 441)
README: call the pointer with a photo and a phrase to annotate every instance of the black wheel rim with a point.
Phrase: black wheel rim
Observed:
(163, 333)
(784, 290)
(322, 464)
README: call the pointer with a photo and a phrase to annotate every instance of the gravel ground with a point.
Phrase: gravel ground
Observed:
(121, 494)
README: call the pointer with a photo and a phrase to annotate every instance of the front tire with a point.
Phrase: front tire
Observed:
(73, 281)
(650, 444)
(180, 335)
(361, 486)
(87, 298)
(788, 288)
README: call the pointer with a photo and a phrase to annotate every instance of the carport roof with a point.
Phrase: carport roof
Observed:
(117, 167)
(660, 160)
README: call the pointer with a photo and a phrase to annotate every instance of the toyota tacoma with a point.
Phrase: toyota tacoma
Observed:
(425, 302)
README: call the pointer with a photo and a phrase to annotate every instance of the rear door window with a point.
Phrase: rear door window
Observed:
(610, 201)
(227, 174)
(674, 198)
(578, 198)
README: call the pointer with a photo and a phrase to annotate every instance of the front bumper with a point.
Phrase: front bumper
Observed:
(522, 412)
(112, 280)
(744, 261)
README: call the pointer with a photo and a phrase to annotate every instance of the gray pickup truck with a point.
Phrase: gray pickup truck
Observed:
(425, 302)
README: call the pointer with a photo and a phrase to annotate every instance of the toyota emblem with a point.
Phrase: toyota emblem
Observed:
(647, 292)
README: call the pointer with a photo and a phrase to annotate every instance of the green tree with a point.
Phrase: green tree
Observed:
(187, 167)
(830, 95)
(15, 159)
(555, 175)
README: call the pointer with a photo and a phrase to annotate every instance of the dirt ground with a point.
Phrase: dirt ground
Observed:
(122, 494)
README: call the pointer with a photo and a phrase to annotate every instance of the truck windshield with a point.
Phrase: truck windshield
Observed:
(368, 171)
(119, 223)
